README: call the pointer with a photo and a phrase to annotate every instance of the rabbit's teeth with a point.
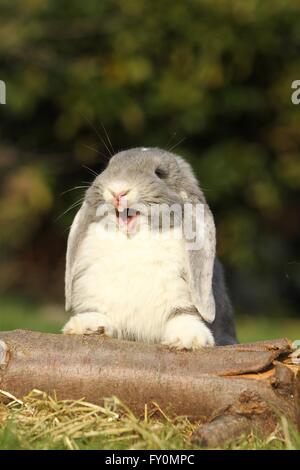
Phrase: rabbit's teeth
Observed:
(127, 217)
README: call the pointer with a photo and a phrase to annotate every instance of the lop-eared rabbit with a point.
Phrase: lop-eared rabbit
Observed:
(141, 257)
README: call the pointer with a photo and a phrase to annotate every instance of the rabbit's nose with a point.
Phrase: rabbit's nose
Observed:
(119, 199)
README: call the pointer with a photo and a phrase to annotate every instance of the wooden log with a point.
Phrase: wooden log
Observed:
(231, 389)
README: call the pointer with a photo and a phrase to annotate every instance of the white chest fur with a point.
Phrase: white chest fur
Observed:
(135, 281)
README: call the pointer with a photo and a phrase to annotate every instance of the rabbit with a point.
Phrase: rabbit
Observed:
(146, 285)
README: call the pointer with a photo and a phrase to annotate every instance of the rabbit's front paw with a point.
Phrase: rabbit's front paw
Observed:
(187, 332)
(87, 323)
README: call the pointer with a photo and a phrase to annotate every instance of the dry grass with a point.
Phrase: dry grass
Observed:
(40, 421)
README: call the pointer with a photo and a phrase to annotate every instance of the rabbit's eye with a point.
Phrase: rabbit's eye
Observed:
(162, 174)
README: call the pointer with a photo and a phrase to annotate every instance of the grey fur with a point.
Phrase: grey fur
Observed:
(137, 166)
(83, 218)
(179, 311)
(223, 328)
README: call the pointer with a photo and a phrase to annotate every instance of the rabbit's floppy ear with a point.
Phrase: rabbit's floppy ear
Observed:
(201, 257)
(76, 235)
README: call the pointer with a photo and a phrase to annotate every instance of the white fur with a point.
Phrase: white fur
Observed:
(87, 323)
(187, 332)
(134, 283)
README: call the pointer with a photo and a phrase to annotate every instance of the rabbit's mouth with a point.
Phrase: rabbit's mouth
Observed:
(127, 217)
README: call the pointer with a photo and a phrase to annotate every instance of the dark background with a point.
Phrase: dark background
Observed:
(211, 79)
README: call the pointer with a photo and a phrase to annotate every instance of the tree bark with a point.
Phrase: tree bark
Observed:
(230, 389)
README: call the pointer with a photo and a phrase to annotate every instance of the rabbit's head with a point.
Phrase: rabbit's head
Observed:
(138, 178)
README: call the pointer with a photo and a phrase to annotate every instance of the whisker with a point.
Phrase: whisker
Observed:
(176, 145)
(169, 143)
(73, 189)
(67, 229)
(108, 138)
(99, 135)
(76, 204)
(97, 151)
(206, 189)
(93, 172)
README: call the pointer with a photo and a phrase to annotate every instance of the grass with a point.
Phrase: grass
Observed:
(43, 422)
(261, 328)
(26, 314)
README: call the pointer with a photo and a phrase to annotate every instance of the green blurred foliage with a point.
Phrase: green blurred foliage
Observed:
(19, 312)
(217, 73)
